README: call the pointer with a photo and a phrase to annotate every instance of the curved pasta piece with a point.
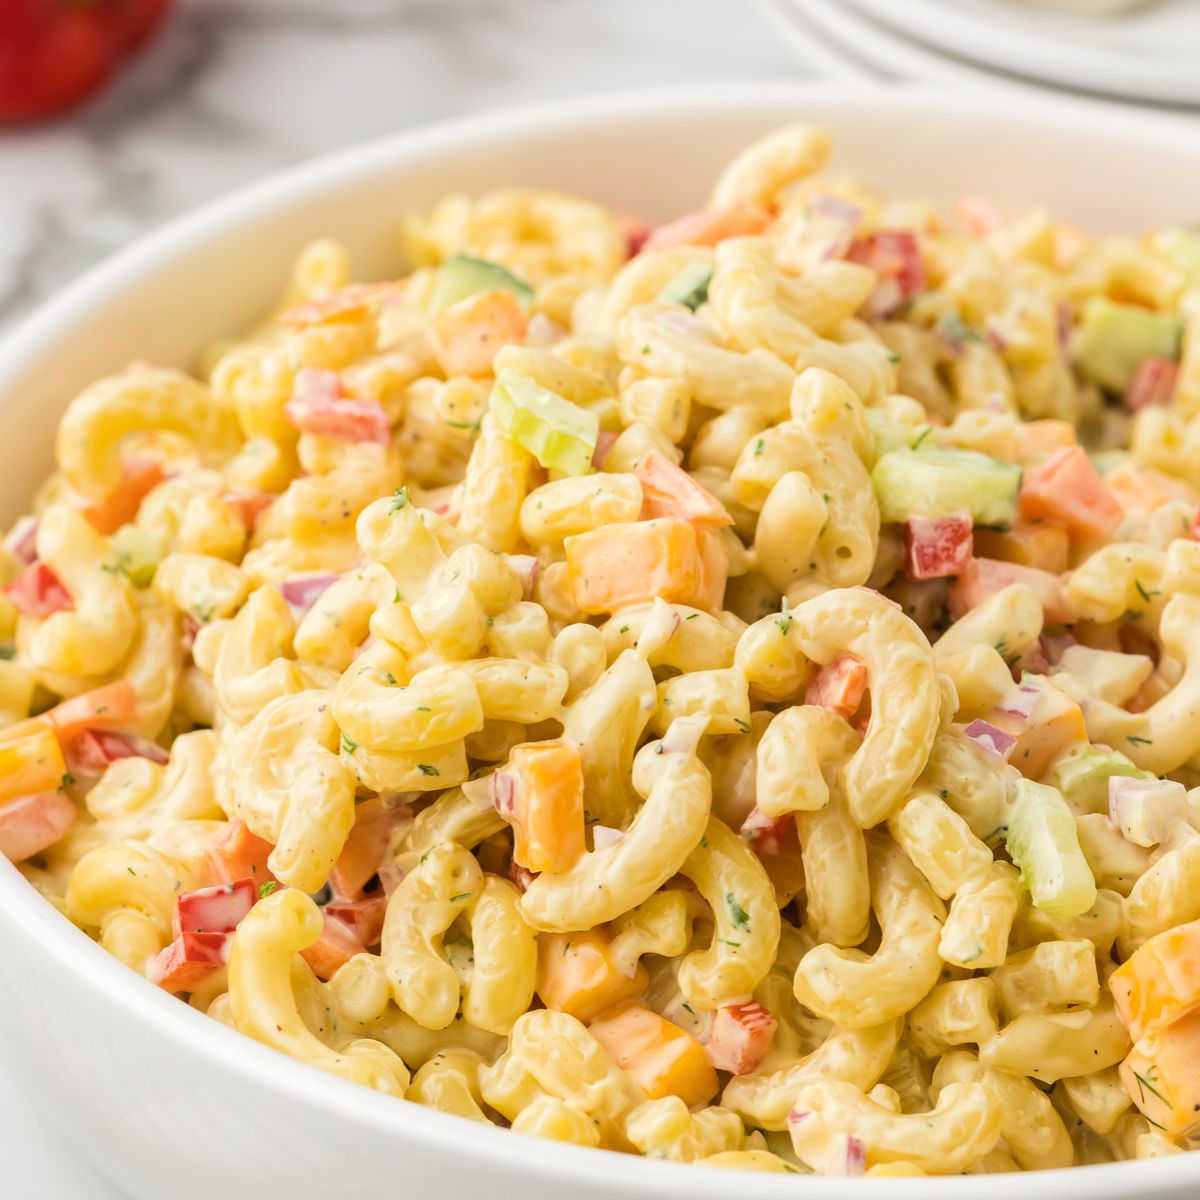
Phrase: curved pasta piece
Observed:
(264, 1006)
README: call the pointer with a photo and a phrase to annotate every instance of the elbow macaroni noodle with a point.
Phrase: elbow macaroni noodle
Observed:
(527, 668)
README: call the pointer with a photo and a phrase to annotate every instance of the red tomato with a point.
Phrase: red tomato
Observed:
(189, 960)
(839, 686)
(55, 53)
(937, 547)
(216, 909)
(318, 406)
(1153, 383)
(38, 592)
(30, 824)
(740, 1037)
(336, 946)
(363, 917)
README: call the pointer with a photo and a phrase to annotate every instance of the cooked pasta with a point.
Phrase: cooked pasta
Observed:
(724, 691)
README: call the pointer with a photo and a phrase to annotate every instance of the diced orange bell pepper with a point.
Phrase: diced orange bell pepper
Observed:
(1040, 544)
(237, 854)
(1037, 440)
(31, 761)
(839, 686)
(540, 794)
(113, 706)
(1142, 489)
(336, 946)
(984, 577)
(365, 847)
(139, 477)
(616, 565)
(707, 227)
(1067, 488)
(669, 491)
(1054, 727)
(1160, 982)
(468, 335)
(660, 1057)
(1162, 1075)
(577, 974)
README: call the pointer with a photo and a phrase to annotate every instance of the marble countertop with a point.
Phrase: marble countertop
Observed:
(236, 89)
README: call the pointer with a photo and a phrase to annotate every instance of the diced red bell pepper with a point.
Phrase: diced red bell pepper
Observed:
(94, 750)
(216, 909)
(336, 946)
(937, 547)
(1153, 383)
(38, 592)
(740, 1037)
(31, 824)
(839, 686)
(190, 960)
(895, 257)
(237, 854)
(249, 504)
(636, 231)
(140, 477)
(319, 406)
(766, 835)
(363, 917)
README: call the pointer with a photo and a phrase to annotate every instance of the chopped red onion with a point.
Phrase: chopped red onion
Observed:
(21, 541)
(797, 1115)
(996, 338)
(847, 1155)
(884, 300)
(302, 593)
(604, 836)
(990, 738)
(1147, 812)
(527, 567)
(1023, 703)
(481, 792)
(542, 331)
(604, 443)
(826, 205)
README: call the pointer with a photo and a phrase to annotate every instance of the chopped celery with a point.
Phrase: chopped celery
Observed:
(895, 435)
(559, 434)
(138, 553)
(1043, 842)
(1114, 338)
(463, 276)
(689, 287)
(1181, 247)
(928, 482)
(1082, 776)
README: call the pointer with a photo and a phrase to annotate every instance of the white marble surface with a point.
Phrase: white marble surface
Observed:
(235, 89)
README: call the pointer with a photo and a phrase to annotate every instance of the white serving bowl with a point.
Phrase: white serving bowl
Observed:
(168, 1103)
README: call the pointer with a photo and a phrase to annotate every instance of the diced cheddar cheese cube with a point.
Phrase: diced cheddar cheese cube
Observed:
(1054, 727)
(618, 565)
(238, 854)
(669, 491)
(577, 974)
(660, 1057)
(1160, 982)
(1039, 544)
(1067, 488)
(1162, 1076)
(540, 794)
(468, 335)
(32, 762)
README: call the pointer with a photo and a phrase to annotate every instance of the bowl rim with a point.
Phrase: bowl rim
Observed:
(273, 1073)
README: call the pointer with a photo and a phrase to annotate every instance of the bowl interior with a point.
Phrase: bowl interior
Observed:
(215, 272)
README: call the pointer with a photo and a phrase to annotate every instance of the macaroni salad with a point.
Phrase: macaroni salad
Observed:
(725, 691)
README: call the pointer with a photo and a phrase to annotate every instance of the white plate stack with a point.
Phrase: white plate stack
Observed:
(1121, 50)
